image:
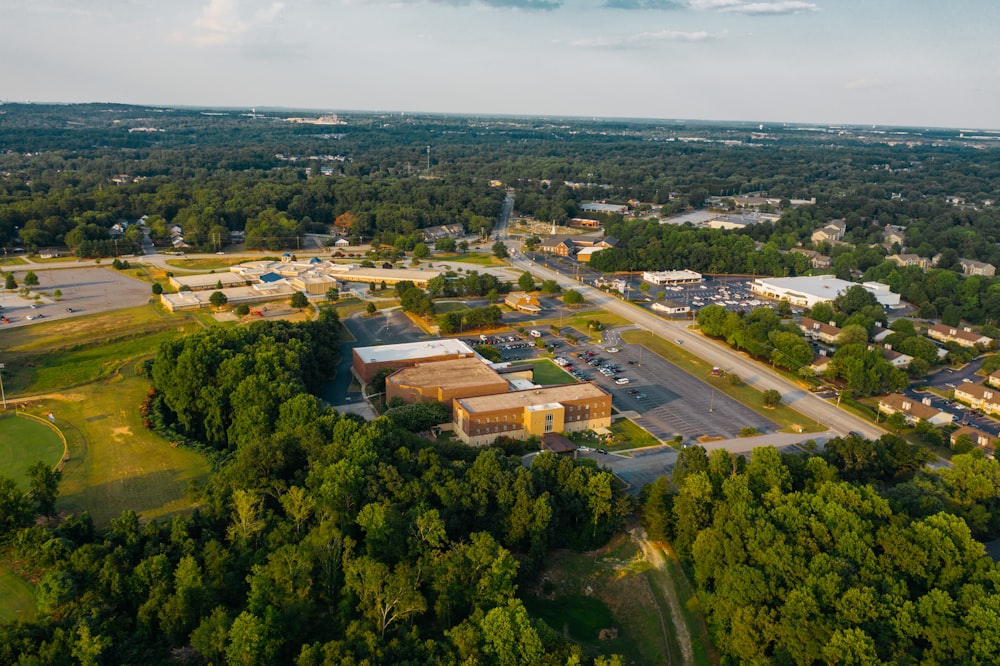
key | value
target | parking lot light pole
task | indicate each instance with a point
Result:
(2, 394)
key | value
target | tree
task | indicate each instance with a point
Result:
(421, 251)
(299, 300)
(30, 279)
(852, 334)
(444, 245)
(500, 250)
(157, 288)
(371, 309)
(10, 282)
(771, 398)
(242, 310)
(57, 293)
(510, 638)
(218, 299)
(526, 282)
(572, 297)
(333, 294)
(550, 287)
(44, 485)
(384, 596)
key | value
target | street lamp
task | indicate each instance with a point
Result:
(2, 394)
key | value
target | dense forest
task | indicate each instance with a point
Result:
(859, 555)
(320, 538)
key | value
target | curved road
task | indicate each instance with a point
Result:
(759, 376)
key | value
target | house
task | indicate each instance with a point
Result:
(973, 267)
(671, 307)
(909, 260)
(994, 379)
(879, 334)
(912, 410)
(817, 330)
(979, 396)
(831, 232)
(895, 358)
(523, 302)
(49, 253)
(963, 336)
(983, 440)
(820, 363)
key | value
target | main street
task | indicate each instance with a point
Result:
(759, 376)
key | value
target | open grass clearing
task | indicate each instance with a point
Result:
(786, 417)
(578, 616)
(55, 355)
(613, 576)
(202, 263)
(115, 463)
(478, 258)
(24, 442)
(547, 373)
(17, 598)
(12, 261)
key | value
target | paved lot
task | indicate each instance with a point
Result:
(674, 402)
(85, 290)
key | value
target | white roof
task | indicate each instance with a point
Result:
(413, 350)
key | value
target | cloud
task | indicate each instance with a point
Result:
(755, 8)
(543, 5)
(644, 4)
(862, 84)
(220, 21)
(640, 40)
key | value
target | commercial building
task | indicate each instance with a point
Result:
(808, 291)
(522, 414)
(523, 302)
(369, 360)
(661, 278)
(671, 307)
(444, 381)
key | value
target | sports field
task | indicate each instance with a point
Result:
(23, 442)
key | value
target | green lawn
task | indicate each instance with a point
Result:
(548, 373)
(633, 436)
(23, 442)
(786, 417)
(12, 261)
(17, 600)
(114, 462)
(477, 258)
(203, 264)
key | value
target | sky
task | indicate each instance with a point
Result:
(887, 62)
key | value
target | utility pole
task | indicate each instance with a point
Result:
(2, 394)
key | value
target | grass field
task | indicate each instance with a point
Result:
(12, 261)
(114, 462)
(82, 370)
(548, 373)
(577, 616)
(17, 600)
(203, 264)
(784, 416)
(24, 442)
(477, 258)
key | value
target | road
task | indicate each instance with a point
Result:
(753, 373)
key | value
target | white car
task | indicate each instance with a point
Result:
(621, 380)
(612, 350)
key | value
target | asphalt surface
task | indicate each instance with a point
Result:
(754, 374)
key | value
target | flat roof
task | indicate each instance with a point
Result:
(413, 350)
(209, 279)
(824, 286)
(533, 397)
(366, 274)
(453, 373)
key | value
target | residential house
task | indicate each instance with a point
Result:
(963, 336)
(817, 330)
(820, 363)
(895, 358)
(432, 234)
(994, 379)
(972, 267)
(832, 232)
(979, 396)
(979, 438)
(879, 334)
(912, 410)
(909, 260)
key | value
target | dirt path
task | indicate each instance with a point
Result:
(661, 579)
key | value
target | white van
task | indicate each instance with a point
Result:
(536, 334)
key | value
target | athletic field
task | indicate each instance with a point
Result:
(23, 442)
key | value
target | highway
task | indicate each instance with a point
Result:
(759, 376)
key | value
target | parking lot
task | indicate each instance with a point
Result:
(668, 400)
(84, 291)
